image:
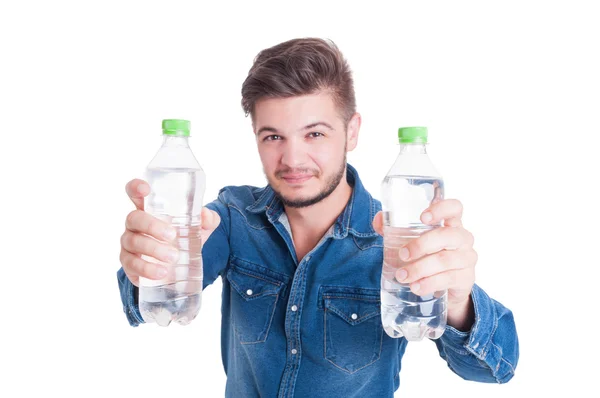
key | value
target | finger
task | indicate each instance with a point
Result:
(136, 190)
(436, 263)
(137, 243)
(378, 223)
(210, 219)
(145, 223)
(445, 238)
(134, 266)
(448, 210)
(460, 279)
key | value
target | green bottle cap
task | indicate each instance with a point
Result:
(412, 135)
(176, 127)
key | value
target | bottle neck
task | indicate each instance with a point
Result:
(413, 149)
(175, 141)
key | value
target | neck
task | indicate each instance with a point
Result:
(413, 149)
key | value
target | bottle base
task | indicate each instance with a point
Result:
(415, 331)
(182, 310)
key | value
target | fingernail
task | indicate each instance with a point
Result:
(404, 254)
(142, 189)
(415, 287)
(426, 217)
(169, 233)
(161, 272)
(401, 274)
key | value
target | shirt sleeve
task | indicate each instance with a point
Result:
(215, 257)
(489, 352)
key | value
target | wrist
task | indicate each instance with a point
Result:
(461, 315)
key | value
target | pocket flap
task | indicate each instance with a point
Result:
(354, 305)
(251, 285)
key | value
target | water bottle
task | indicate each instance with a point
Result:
(410, 187)
(177, 184)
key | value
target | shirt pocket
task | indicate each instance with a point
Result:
(253, 301)
(353, 333)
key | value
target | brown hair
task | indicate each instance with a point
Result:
(300, 67)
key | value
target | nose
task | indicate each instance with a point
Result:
(294, 153)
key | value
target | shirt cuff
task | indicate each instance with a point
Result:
(479, 340)
(129, 295)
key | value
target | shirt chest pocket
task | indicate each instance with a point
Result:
(253, 301)
(353, 333)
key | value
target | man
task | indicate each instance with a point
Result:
(301, 258)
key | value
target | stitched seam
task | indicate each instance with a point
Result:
(346, 370)
(353, 298)
(254, 296)
(264, 272)
(350, 320)
(246, 219)
(365, 247)
(270, 322)
(362, 234)
(253, 207)
(258, 277)
(512, 369)
(492, 332)
(294, 373)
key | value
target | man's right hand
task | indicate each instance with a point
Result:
(147, 235)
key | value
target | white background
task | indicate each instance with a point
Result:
(509, 91)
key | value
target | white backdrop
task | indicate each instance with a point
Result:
(509, 91)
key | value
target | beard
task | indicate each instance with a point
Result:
(330, 185)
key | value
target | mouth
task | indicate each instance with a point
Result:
(296, 178)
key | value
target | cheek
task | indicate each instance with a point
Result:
(326, 156)
(268, 158)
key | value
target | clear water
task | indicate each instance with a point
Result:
(404, 313)
(175, 197)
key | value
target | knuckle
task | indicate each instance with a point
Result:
(138, 265)
(459, 205)
(474, 256)
(127, 240)
(418, 244)
(155, 226)
(443, 256)
(131, 217)
(470, 237)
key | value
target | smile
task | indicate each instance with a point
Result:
(296, 178)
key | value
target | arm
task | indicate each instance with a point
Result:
(489, 352)
(480, 340)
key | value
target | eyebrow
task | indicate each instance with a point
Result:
(308, 127)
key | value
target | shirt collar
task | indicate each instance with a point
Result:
(356, 218)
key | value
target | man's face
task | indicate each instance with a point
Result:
(302, 145)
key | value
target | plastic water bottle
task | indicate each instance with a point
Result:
(410, 187)
(177, 184)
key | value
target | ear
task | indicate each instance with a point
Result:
(352, 132)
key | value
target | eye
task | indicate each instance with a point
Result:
(315, 134)
(272, 137)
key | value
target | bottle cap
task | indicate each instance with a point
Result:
(177, 127)
(412, 135)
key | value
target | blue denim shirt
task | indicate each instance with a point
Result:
(312, 328)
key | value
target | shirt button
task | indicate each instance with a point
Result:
(249, 292)
(294, 351)
(354, 316)
(294, 308)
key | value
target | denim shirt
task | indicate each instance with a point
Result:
(312, 328)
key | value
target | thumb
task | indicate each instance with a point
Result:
(378, 223)
(210, 221)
